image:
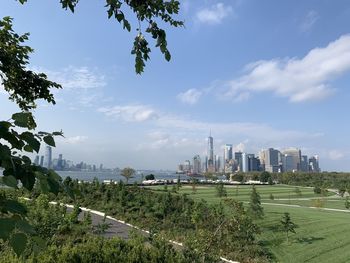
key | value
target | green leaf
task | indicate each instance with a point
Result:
(31, 140)
(6, 227)
(15, 207)
(28, 180)
(25, 227)
(9, 180)
(48, 139)
(18, 242)
(24, 120)
(27, 148)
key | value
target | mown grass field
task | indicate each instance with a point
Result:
(322, 236)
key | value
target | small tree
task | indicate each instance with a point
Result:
(150, 177)
(317, 190)
(220, 190)
(288, 225)
(264, 177)
(272, 197)
(347, 203)
(255, 208)
(127, 173)
(178, 183)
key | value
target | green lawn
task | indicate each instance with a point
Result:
(322, 236)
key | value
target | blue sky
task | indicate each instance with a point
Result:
(257, 73)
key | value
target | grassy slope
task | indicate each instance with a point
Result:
(322, 236)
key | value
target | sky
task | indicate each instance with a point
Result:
(258, 74)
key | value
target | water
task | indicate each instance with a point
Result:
(89, 176)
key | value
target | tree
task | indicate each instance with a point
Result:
(128, 173)
(255, 209)
(287, 225)
(150, 177)
(264, 177)
(25, 87)
(272, 197)
(347, 203)
(220, 190)
(317, 190)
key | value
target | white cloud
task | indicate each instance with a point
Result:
(309, 21)
(213, 15)
(190, 96)
(73, 140)
(336, 155)
(75, 77)
(304, 79)
(131, 113)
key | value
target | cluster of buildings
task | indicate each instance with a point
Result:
(60, 164)
(270, 160)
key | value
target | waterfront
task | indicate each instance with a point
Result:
(138, 177)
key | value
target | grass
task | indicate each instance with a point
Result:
(322, 236)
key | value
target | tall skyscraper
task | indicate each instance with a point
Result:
(270, 160)
(314, 164)
(60, 162)
(196, 167)
(253, 163)
(217, 163)
(245, 164)
(292, 157)
(304, 166)
(42, 161)
(210, 154)
(239, 161)
(48, 157)
(227, 152)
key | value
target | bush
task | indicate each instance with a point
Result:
(150, 177)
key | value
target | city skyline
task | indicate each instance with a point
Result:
(270, 160)
(258, 74)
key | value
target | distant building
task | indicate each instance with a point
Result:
(197, 166)
(304, 165)
(228, 152)
(48, 157)
(253, 163)
(270, 160)
(314, 165)
(245, 163)
(210, 154)
(239, 161)
(42, 161)
(187, 166)
(292, 158)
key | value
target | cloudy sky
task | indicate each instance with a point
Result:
(256, 73)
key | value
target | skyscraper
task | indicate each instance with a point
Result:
(245, 164)
(217, 163)
(304, 166)
(48, 157)
(227, 152)
(196, 167)
(42, 161)
(293, 158)
(210, 154)
(270, 160)
(314, 164)
(239, 161)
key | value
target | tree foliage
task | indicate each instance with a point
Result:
(255, 208)
(287, 225)
(127, 173)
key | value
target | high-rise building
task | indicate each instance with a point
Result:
(245, 163)
(292, 157)
(210, 154)
(196, 167)
(239, 161)
(270, 160)
(253, 163)
(187, 166)
(304, 165)
(60, 162)
(48, 157)
(217, 163)
(314, 164)
(42, 161)
(227, 152)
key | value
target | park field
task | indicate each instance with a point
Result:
(321, 236)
